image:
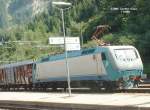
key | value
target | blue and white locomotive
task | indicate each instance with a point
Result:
(106, 66)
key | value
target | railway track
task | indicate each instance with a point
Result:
(144, 87)
(25, 107)
(137, 90)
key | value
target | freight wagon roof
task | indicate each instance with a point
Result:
(17, 64)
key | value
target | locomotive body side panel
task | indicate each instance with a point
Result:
(87, 67)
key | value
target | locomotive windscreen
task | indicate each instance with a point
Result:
(126, 54)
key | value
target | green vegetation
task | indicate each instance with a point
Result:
(126, 28)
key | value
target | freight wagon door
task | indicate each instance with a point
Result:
(10, 75)
(1, 77)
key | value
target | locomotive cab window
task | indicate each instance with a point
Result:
(126, 54)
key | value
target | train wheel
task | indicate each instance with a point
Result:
(110, 86)
(128, 84)
(54, 86)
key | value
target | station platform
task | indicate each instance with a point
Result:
(62, 101)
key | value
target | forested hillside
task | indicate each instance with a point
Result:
(129, 21)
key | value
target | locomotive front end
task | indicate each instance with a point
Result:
(127, 63)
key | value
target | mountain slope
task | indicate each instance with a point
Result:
(128, 27)
(19, 11)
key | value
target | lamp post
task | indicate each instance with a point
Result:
(62, 6)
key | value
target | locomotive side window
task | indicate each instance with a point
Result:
(103, 56)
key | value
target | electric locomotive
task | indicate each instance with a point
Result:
(105, 66)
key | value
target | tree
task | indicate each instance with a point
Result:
(3, 14)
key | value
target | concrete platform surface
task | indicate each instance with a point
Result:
(103, 99)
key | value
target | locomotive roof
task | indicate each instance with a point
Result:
(82, 52)
(17, 64)
(118, 46)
